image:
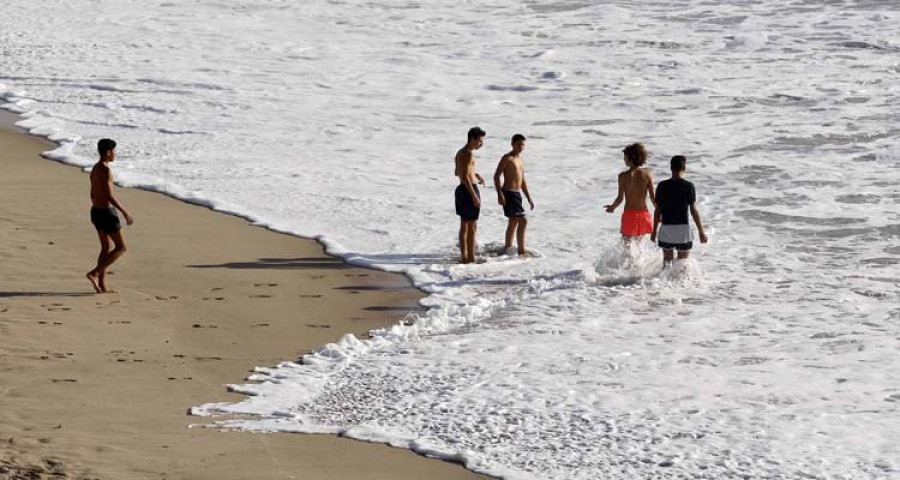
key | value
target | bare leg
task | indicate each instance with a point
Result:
(510, 232)
(94, 275)
(668, 255)
(119, 250)
(683, 254)
(470, 241)
(629, 241)
(462, 241)
(520, 234)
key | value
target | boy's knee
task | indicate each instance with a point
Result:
(523, 221)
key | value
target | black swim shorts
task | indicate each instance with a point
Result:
(681, 247)
(512, 206)
(465, 207)
(105, 220)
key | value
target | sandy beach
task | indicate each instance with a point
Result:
(98, 386)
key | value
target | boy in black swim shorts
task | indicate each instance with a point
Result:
(467, 196)
(512, 169)
(104, 217)
(675, 197)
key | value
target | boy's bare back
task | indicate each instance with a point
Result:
(637, 184)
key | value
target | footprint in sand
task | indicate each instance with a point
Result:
(56, 307)
(207, 359)
(213, 298)
(164, 298)
(260, 296)
(259, 325)
(124, 356)
(64, 380)
(198, 325)
(308, 295)
(119, 322)
(58, 356)
(317, 325)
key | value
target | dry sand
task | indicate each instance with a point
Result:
(98, 386)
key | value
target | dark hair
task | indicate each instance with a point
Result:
(476, 132)
(105, 145)
(636, 154)
(518, 138)
(679, 163)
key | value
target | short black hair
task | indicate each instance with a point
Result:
(476, 132)
(105, 145)
(678, 163)
(518, 138)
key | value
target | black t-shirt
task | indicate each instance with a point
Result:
(673, 197)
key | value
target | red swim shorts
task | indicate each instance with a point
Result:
(636, 222)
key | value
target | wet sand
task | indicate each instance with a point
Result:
(98, 386)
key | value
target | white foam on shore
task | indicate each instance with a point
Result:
(771, 354)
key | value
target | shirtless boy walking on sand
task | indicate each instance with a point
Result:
(675, 197)
(104, 217)
(512, 169)
(468, 198)
(635, 185)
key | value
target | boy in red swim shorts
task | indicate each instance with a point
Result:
(635, 185)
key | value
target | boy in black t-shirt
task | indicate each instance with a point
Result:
(674, 197)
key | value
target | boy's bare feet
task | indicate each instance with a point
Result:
(92, 277)
(102, 283)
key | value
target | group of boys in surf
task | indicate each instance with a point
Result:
(673, 200)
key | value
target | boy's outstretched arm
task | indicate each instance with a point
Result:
(619, 196)
(696, 216)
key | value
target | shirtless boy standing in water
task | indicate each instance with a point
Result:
(104, 217)
(512, 169)
(635, 185)
(468, 198)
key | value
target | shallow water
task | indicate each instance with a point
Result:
(772, 354)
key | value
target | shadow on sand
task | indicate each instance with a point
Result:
(305, 263)
(45, 294)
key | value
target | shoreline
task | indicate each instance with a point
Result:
(98, 386)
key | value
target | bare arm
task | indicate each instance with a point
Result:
(525, 190)
(650, 189)
(621, 195)
(468, 161)
(657, 219)
(497, 174)
(112, 198)
(696, 216)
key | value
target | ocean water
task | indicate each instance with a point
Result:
(773, 353)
